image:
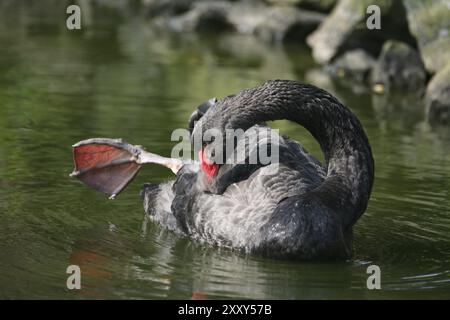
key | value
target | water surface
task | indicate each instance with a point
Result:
(125, 79)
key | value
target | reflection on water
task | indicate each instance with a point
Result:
(131, 81)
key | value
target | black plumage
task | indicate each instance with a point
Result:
(296, 208)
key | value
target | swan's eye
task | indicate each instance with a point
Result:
(211, 154)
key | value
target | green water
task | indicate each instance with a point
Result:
(126, 79)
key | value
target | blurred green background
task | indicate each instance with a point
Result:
(122, 76)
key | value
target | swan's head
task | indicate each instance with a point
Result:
(226, 140)
(208, 136)
(204, 143)
(217, 126)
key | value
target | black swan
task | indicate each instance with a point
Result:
(296, 208)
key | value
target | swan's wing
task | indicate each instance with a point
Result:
(236, 217)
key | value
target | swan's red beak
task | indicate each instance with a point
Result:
(210, 168)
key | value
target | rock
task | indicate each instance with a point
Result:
(429, 22)
(399, 68)
(313, 5)
(355, 64)
(246, 18)
(437, 97)
(279, 24)
(274, 24)
(345, 29)
(202, 17)
(156, 8)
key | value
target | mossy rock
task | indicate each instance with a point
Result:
(283, 24)
(345, 29)
(438, 97)
(206, 17)
(429, 22)
(272, 24)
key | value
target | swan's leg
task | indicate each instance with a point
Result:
(171, 163)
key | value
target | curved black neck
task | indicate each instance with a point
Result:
(349, 162)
